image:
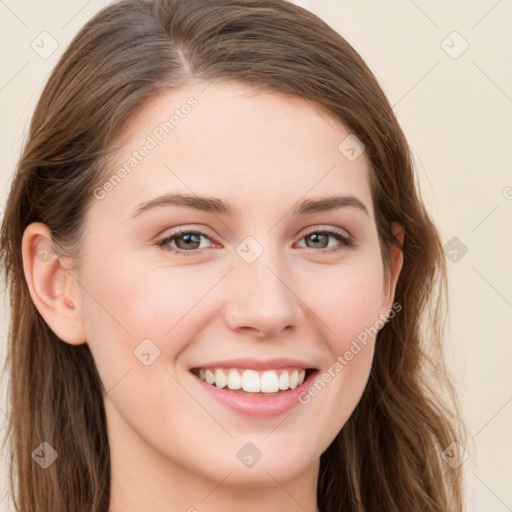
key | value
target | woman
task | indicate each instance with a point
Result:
(226, 292)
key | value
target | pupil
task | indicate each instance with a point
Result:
(187, 239)
(314, 237)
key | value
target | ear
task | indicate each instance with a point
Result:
(53, 289)
(396, 261)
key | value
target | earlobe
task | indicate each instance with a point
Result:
(53, 291)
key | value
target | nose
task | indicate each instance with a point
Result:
(261, 297)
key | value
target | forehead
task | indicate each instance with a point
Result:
(245, 144)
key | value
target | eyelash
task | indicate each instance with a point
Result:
(346, 241)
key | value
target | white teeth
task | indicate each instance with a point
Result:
(209, 377)
(234, 380)
(284, 378)
(220, 379)
(269, 382)
(252, 381)
(294, 378)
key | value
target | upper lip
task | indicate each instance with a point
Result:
(257, 364)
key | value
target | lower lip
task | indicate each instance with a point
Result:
(256, 405)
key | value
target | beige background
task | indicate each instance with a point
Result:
(456, 110)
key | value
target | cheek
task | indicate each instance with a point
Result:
(138, 322)
(141, 301)
(126, 303)
(347, 299)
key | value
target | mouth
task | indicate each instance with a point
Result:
(248, 381)
(255, 388)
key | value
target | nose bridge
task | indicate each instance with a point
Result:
(261, 296)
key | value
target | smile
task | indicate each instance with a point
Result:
(255, 389)
(253, 381)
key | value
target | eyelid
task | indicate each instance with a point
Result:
(199, 229)
(200, 232)
(323, 227)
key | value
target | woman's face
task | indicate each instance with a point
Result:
(252, 283)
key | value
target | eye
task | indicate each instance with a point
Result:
(188, 242)
(320, 237)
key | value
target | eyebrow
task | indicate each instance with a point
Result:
(218, 206)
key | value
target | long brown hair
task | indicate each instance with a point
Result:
(387, 456)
